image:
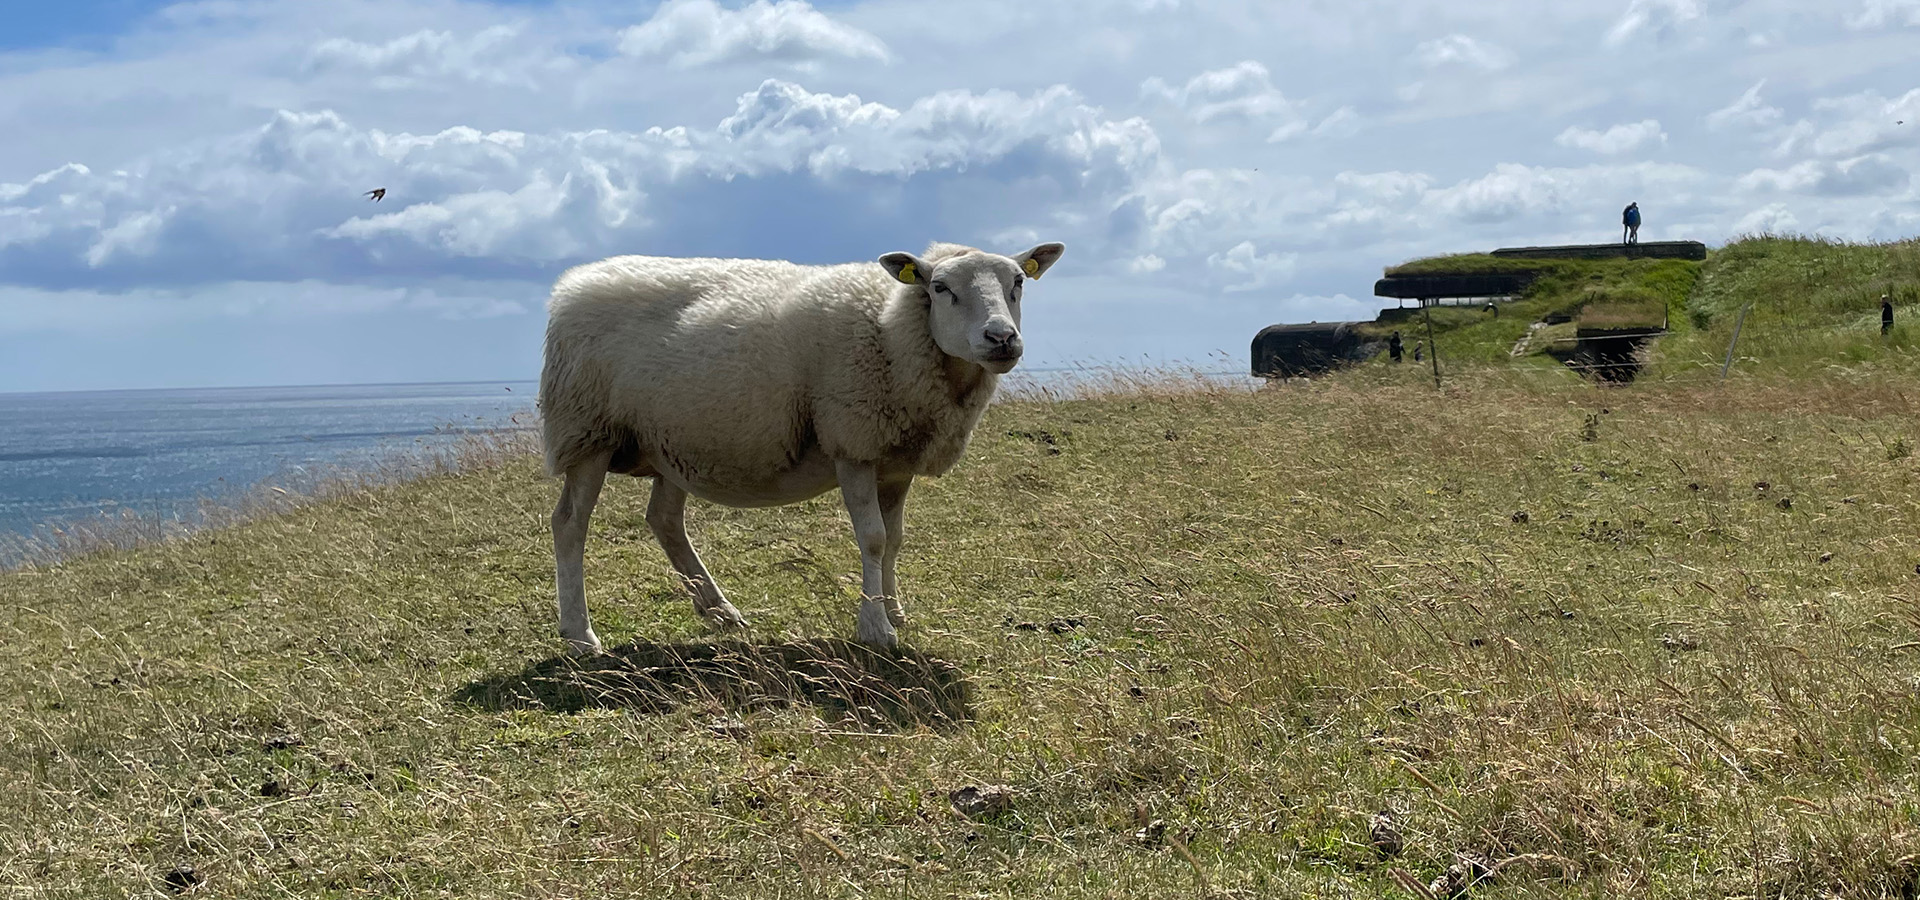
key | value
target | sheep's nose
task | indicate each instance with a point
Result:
(1001, 333)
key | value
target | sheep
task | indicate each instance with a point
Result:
(763, 383)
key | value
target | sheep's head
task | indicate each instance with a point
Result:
(973, 299)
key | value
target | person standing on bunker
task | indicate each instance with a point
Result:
(1394, 346)
(1630, 224)
(1886, 313)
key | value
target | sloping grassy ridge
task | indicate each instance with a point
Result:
(1814, 303)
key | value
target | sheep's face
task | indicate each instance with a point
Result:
(973, 300)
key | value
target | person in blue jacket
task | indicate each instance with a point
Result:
(1630, 224)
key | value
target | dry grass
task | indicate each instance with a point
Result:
(1649, 641)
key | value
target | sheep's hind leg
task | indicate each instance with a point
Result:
(570, 517)
(893, 509)
(667, 516)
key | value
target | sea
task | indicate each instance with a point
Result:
(168, 455)
(67, 458)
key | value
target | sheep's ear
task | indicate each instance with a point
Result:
(906, 268)
(1037, 261)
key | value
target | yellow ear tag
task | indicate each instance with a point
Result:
(1033, 268)
(907, 275)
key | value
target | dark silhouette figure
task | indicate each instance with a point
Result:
(1886, 313)
(1493, 309)
(1394, 347)
(377, 194)
(1630, 224)
(1419, 347)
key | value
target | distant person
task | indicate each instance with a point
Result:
(1394, 346)
(1886, 313)
(1630, 224)
(1418, 347)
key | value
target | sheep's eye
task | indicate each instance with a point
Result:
(939, 288)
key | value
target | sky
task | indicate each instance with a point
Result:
(181, 184)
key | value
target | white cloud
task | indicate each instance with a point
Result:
(1884, 13)
(1244, 93)
(701, 32)
(1872, 174)
(1458, 49)
(1868, 121)
(1341, 123)
(1617, 139)
(1510, 190)
(1656, 18)
(286, 196)
(230, 144)
(1774, 218)
(1253, 269)
(1747, 111)
(1241, 91)
(424, 56)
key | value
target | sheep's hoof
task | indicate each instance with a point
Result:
(723, 616)
(588, 646)
(875, 628)
(896, 614)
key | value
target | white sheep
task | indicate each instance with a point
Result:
(761, 383)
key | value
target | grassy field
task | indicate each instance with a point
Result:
(1651, 641)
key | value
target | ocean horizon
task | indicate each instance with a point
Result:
(69, 457)
(164, 454)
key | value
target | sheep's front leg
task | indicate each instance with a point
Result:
(893, 509)
(667, 516)
(860, 488)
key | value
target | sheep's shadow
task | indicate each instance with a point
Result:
(884, 689)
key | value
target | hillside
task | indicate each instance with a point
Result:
(1814, 303)
(1612, 293)
(1644, 641)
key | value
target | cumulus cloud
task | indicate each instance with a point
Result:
(702, 32)
(1249, 269)
(1510, 190)
(1514, 192)
(516, 139)
(285, 197)
(1242, 91)
(1746, 111)
(1459, 49)
(1867, 122)
(1871, 174)
(1652, 18)
(1617, 139)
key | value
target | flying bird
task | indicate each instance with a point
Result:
(376, 194)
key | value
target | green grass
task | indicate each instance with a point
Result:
(1611, 293)
(1650, 641)
(1815, 303)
